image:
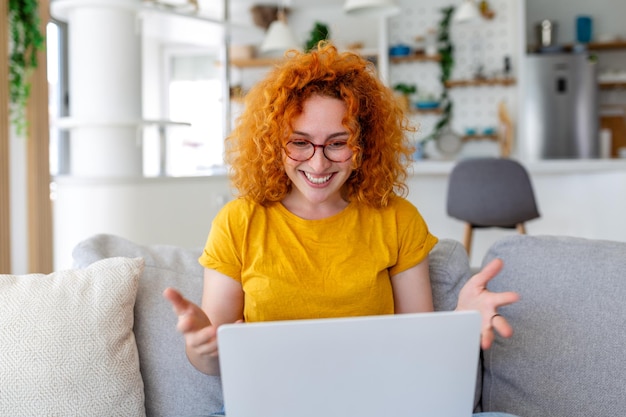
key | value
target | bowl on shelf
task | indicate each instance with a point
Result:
(427, 105)
(399, 50)
(489, 131)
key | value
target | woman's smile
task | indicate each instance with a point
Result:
(317, 179)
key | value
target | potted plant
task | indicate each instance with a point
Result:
(26, 41)
(320, 32)
(446, 52)
(404, 91)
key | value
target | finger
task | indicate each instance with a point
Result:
(500, 299)
(203, 341)
(487, 273)
(486, 338)
(502, 326)
(179, 303)
(194, 321)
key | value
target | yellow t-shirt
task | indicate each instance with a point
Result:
(292, 268)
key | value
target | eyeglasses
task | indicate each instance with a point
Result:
(302, 150)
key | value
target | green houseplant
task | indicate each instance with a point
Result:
(25, 40)
(446, 52)
(320, 32)
(405, 90)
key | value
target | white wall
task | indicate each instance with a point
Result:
(176, 211)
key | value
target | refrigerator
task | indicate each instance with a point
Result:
(560, 118)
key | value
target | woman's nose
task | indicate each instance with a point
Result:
(319, 161)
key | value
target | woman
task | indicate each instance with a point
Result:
(321, 228)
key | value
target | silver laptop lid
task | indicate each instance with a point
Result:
(408, 365)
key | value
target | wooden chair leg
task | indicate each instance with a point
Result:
(521, 229)
(467, 239)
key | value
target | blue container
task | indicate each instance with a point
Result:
(584, 29)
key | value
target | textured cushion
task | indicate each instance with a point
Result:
(67, 345)
(173, 387)
(567, 356)
(449, 270)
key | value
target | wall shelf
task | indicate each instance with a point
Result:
(616, 45)
(468, 138)
(436, 111)
(480, 82)
(269, 61)
(607, 46)
(612, 85)
(415, 57)
(255, 62)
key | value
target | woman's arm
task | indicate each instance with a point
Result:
(222, 298)
(412, 292)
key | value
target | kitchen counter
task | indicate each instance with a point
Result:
(557, 166)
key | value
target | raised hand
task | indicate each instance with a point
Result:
(199, 333)
(475, 296)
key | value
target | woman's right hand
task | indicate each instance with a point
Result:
(200, 335)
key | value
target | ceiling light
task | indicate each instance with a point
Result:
(279, 37)
(466, 12)
(371, 7)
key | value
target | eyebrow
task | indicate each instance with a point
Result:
(331, 136)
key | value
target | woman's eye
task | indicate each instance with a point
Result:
(337, 145)
(300, 143)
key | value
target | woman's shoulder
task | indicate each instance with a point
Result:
(239, 208)
(398, 208)
(401, 205)
(243, 209)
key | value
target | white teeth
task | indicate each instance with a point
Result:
(317, 180)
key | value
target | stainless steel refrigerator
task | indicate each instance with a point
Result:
(560, 106)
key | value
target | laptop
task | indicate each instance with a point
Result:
(409, 365)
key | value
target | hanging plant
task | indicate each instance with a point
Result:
(446, 52)
(26, 39)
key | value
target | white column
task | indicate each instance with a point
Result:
(105, 86)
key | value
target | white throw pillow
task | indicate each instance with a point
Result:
(67, 346)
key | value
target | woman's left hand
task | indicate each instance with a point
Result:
(475, 296)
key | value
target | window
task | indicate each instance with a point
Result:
(195, 95)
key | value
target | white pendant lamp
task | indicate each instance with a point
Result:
(279, 38)
(371, 7)
(467, 11)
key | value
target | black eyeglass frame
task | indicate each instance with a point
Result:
(315, 149)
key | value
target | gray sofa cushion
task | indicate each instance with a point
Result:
(172, 386)
(567, 356)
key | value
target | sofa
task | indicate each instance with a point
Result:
(100, 340)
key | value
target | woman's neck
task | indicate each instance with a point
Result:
(313, 211)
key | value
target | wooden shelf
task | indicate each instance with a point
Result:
(591, 46)
(606, 46)
(421, 57)
(612, 85)
(255, 62)
(468, 138)
(438, 110)
(480, 82)
(269, 61)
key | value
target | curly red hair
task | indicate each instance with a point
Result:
(376, 124)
